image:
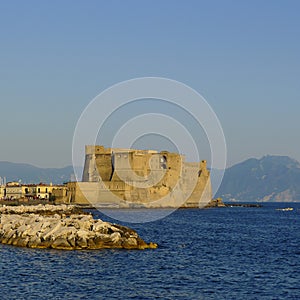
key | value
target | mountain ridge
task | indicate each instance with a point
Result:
(28, 173)
(270, 178)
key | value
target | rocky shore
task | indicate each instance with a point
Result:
(219, 203)
(63, 227)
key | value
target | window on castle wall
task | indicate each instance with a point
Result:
(163, 162)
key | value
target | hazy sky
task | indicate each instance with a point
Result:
(56, 56)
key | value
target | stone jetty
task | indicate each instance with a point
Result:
(63, 227)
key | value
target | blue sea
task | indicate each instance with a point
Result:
(223, 253)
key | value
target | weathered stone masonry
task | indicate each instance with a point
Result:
(128, 177)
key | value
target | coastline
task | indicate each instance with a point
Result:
(215, 203)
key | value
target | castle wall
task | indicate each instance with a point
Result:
(139, 176)
(97, 193)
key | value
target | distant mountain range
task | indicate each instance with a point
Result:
(269, 179)
(30, 174)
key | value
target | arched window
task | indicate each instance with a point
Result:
(163, 162)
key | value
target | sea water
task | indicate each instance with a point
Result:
(223, 253)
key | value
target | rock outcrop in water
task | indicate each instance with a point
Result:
(58, 227)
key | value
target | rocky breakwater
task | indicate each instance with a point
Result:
(58, 227)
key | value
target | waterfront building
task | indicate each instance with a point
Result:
(2, 191)
(129, 178)
(44, 191)
(16, 190)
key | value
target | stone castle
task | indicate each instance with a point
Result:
(114, 177)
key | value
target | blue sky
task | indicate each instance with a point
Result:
(56, 56)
